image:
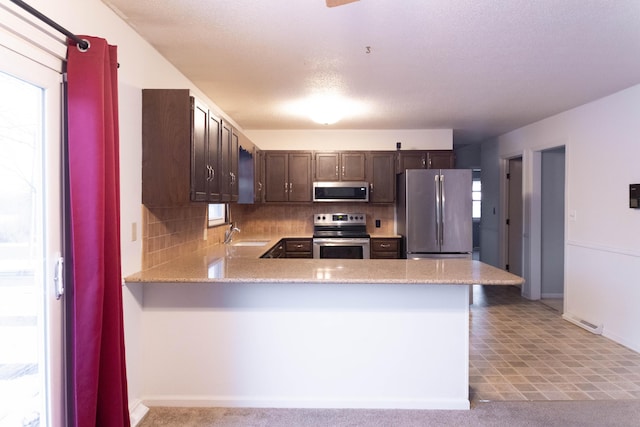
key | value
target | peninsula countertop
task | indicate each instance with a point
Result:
(242, 264)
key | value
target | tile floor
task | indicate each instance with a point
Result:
(523, 350)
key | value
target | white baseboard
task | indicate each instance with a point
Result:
(596, 329)
(137, 412)
(551, 296)
(230, 402)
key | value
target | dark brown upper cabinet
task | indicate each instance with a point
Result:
(432, 159)
(228, 163)
(340, 166)
(381, 176)
(287, 176)
(184, 158)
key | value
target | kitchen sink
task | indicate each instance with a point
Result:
(250, 243)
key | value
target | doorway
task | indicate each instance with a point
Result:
(514, 222)
(552, 228)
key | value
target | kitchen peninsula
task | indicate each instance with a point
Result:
(226, 328)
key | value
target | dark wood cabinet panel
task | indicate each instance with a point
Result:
(385, 248)
(258, 175)
(290, 248)
(432, 159)
(352, 166)
(213, 162)
(381, 176)
(183, 159)
(199, 151)
(340, 166)
(276, 177)
(287, 176)
(299, 177)
(277, 251)
(173, 148)
(298, 248)
(444, 159)
(326, 166)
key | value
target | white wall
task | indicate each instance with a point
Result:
(416, 139)
(602, 245)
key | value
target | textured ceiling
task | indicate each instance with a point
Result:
(481, 67)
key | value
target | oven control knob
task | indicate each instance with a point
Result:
(351, 218)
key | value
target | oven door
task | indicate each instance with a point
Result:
(341, 248)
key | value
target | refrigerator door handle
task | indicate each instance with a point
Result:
(436, 179)
(443, 204)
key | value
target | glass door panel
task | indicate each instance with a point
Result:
(31, 388)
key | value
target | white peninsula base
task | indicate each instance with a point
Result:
(306, 345)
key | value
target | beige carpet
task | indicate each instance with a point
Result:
(565, 414)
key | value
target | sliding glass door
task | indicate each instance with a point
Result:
(31, 327)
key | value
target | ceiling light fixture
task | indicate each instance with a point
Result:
(326, 109)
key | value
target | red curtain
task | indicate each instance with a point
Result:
(97, 365)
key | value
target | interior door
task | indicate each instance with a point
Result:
(422, 228)
(514, 219)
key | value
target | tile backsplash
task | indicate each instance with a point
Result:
(264, 220)
(171, 232)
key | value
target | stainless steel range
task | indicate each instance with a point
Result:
(340, 235)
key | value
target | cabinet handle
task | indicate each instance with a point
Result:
(336, 170)
(342, 170)
(290, 187)
(385, 245)
(259, 186)
(424, 163)
(298, 246)
(371, 187)
(213, 173)
(286, 184)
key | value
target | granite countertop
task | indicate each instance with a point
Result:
(242, 264)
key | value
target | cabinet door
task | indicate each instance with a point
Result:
(213, 176)
(199, 157)
(352, 166)
(327, 166)
(258, 178)
(299, 177)
(275, 176)
(225, 163)
(441, 159)
(412, 160)
(234, 148)
(382, 177)
(388, 248)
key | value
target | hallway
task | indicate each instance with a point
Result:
(524, 350)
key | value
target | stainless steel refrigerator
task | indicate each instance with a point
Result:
(434, 213)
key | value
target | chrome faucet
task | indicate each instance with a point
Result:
(228, 235)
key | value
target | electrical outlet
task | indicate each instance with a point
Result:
(377, 223)
(134, 231)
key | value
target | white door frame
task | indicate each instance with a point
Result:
(532, 212)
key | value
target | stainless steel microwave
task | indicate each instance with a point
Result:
(341, 191)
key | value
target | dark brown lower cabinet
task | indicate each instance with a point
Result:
(298, 248)
(388, 248)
